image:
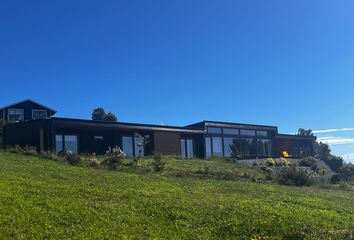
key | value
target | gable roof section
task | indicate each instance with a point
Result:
(29, 100)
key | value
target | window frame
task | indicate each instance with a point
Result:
(43, 110)
(15, 109)
(63, 142)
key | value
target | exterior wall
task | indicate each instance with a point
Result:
(27, 106)
(27, 134)
(167, 143)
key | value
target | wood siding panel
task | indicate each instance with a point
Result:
(167, 143)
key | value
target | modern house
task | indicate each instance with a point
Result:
(203, 140)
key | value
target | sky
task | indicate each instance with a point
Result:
(283, 63)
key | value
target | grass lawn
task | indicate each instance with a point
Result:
(44, 199)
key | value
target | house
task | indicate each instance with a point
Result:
(205, 139)
(25, 110)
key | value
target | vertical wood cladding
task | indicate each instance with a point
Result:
(167, 143)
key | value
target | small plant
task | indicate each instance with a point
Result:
(30, 151)
(295, 177)
(308, 162)
(113, 158)
(344, 186)
(93, 161)
(336, 178)
(70, 157)
(269, 162)
(157, 164)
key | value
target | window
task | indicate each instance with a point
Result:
(58, 143)
(262, 133)
(98, 138)
(208, 147)
(231, 147)
(264, 147)
(127, 145)
(214, 130)
(15, 115)
(231, 131)
(39, 114)
(249, 147)
(187, 148)
(70, 143)
(66, 142)
(248, 132)
(139, 146)
(217, 146)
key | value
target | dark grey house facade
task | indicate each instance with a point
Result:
(202, 140)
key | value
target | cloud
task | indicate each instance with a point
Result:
(336, 140)
(333, 130)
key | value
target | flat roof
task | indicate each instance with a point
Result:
(126, 125)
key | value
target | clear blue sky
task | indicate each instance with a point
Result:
(284, 63)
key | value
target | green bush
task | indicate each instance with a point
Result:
(346, 172)
(336, 178)
(113, 158)
(70, 157)
(295, 177)
(157, 164)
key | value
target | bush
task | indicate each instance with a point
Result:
(157, 164)
(336, 178)
(113, 158)
(70, 157)
(346, 172)
(308, 162)
(269, 162)
(295, 177)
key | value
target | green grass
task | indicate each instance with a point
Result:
(44, 199)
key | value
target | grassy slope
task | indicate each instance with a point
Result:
(46, 199)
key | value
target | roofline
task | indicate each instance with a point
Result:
(233, 124)
(129, 125)
(30, 100)
(296, 136)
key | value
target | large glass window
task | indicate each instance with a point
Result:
(183, 148)
(58, 143)
(39, 114)
(66, 142)
(217, 146)
(264, 147)
(15, 115)
(248, 132)
(70, 143)
(262, 133)
(127, 145)
(208, 147)
(214, 130)
(248, 147)
(231, 131)
(187, 148)
(231, 147)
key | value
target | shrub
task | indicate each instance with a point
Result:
(336, 178)
(282, 162)
(346, 172)
(269, 162)
(295, 177)
(113, 158)
(157, 164)
(70, 157)
(308, 162)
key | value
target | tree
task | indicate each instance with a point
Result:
(323, 151)
(304, 132)
(110, 117)
(98, 114)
